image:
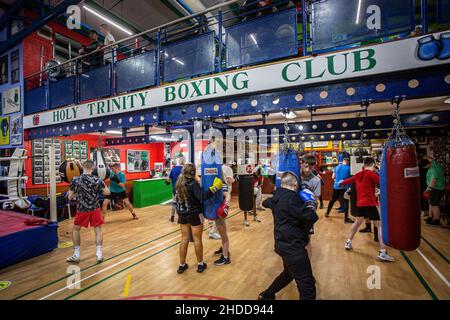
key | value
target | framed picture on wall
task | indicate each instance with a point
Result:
(5, 132)
(15, 67)
(111, 156)
(138, 161)
(4, 69)
(16, 130)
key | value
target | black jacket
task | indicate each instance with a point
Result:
(196, 196)
(292, 221)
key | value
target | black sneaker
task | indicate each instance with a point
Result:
(262, 296)
(327, 215)
(321, 206)
(201, 267)
(182, 269)
(172, 218)
(366, 230)
(428, 220)
(218, 251)
(433, 222)
(348, 220)
(222, 260)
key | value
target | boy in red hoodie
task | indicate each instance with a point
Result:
(366, 202)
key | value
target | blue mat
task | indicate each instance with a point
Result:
(19, 242)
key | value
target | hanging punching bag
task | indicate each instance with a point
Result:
(287, 161)
(211, 169)
(101, 169)
(70, 169)
(400, 195)
(246, 192)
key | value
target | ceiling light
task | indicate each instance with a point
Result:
(108, 20)
(254, 39)
(358, 12)
(447, 101)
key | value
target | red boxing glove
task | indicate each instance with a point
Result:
(426, 195)
(222, 211)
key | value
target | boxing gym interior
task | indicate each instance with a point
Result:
(287, 117)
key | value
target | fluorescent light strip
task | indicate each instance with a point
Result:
(359, 11)
(114, 132)
(254, 39)
(108, 20)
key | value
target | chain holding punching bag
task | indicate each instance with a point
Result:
(287, 159)
(400, 190)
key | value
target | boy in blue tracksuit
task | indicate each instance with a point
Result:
(341, 172)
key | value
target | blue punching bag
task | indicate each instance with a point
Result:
(211, 169)
(287, 161)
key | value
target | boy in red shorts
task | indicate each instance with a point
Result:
(366, 203)
(86, 188)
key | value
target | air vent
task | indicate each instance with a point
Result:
(46, 33)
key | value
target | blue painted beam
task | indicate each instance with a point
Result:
(41, 21)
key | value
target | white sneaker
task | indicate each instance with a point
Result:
(385, 257)
(257, 219)
(214, 235)
(246, 223)
(348, 245)
(73, 258)
(99, 258)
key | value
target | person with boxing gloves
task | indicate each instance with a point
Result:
(118, 191)
(189, 199)
(222, 212)
(366, 182)
(294, 216)
(172, 178)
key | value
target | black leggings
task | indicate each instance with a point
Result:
(338, 194)
(296, 268)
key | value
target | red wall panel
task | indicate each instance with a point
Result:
(156, 155)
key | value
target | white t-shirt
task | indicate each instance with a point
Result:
(227, 173)
(109, 39)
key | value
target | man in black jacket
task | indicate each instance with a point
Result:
(293, 219)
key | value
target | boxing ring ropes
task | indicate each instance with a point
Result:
(16, 191)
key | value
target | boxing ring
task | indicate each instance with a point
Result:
(22, 237)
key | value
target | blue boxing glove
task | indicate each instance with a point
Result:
(307, 196)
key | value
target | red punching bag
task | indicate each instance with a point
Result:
(400, 196)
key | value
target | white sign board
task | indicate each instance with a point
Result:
(361, 62)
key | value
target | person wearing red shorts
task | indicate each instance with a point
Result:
(85, 189)
(366, 182)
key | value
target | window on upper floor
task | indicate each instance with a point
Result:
(15, 67)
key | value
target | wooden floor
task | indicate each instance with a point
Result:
(142, 258)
